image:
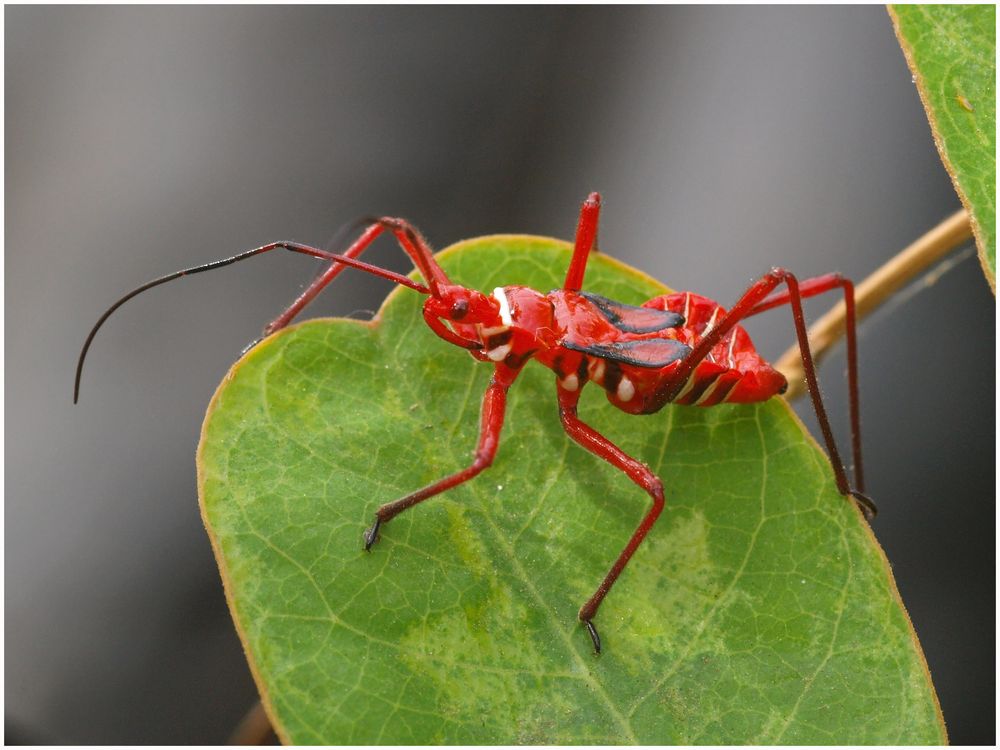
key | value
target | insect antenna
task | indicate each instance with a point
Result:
(339, 237)
(290, 246)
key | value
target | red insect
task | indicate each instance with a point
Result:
(677, 348)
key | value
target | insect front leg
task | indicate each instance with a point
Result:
(637, 471)
(409, 239)
(491, 422)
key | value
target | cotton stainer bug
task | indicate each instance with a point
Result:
(678, 348)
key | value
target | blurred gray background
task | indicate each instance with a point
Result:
(142, 140)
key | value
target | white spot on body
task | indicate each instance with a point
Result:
(711, 322)
(595, 368)
(500, 296)
(732, 345)
(708, 329)
(571, 382)
(625, 389)
(483, 331)
(499, 353)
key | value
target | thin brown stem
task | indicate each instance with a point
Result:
(874, 291)
(254, 728)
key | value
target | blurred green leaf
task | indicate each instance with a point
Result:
(951, 50)
(759, 610)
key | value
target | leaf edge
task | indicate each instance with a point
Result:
(918, 80)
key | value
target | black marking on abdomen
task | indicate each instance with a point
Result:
(724, 389)
(612, 375)
(701, 386)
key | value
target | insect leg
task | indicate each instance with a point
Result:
(409, 239)
(810, 288)
(586, 238)
(491, 422)
(758, 296)
(638, 472)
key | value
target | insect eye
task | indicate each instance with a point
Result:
(459, 309)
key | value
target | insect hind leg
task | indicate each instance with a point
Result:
(761, 296)
(810, 288)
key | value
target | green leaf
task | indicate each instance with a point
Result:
(951, 50)
(759, 610)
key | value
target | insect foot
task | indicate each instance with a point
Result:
(866, 504)
(593, 635)
(371, 535)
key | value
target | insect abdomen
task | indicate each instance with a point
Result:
(733, 371)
